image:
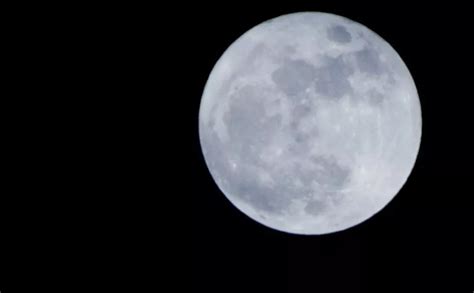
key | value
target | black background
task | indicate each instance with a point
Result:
(84, 173)
(422, 241)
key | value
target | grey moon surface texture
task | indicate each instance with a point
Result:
(310, 123)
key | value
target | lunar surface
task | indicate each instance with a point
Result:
(310, 123)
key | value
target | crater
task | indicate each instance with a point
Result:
(338, 34)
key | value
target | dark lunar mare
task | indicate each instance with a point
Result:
(339, 34)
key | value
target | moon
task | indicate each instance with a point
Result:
(310, 123)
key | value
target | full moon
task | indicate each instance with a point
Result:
(310, 123)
